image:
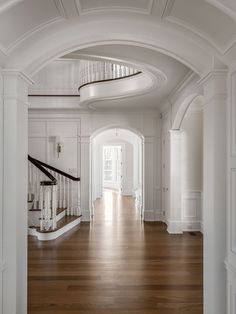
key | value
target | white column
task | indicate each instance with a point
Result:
(174, 213)
(2, 262)
(14, 109)
(149, 179)
(85, 178)
(214, 191)
(231, 195)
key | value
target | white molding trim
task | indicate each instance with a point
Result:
(191, 226)
(174, 226)
(149, 215)
(54, 234)
(147, 11)
(212, 73)
(34, 30)
(15, 72)
(86, 215)
(183, 83)
(230, 267)
(223, 8)
(9, 4)
(222, 49)
(61, 9)
(2, 266)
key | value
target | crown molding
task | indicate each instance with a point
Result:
(82, 11)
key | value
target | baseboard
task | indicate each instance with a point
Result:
(174, 227)
(86, 215)
(191, 226)
(153, 215)
(47, 236)
(148, 215)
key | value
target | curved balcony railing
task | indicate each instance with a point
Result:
(100, 71)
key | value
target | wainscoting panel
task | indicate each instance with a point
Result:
(192, 211)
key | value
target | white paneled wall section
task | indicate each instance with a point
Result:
(75, 131)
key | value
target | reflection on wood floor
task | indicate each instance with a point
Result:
(116, 265)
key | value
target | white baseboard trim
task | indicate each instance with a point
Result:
(191, 226)
(159, 216)
(148, 215)
(152, 215)
(174, 227)
(47, 236)
(86, 215)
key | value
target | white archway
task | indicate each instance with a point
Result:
(136, 140)
(183, 109)
(53, 42)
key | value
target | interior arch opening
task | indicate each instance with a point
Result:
(116, 172)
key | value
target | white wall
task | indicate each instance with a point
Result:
(182, 171)
(1, 191)
(77, 127)
(192, 169)
(42, 143)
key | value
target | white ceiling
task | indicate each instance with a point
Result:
(206, 27)
(213, 20)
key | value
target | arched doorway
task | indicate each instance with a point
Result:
(117, 164)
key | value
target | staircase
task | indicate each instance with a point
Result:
(53, 200)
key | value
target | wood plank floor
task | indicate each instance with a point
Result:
(116, 265)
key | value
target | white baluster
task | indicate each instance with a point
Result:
(42, 208)
(54, 206)
(58, 190)
(72, 198)
(64, 192)
(35, 187)
(78, 209)
(68, 196)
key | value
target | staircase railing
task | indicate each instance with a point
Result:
(51, 189)
(100, 71)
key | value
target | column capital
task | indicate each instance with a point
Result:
(15, 86)
(215, 86)
(214, 75)
(18, 74)
(175, 133)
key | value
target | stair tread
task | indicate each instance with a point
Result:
(61, 223)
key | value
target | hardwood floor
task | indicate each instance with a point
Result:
(116, 265)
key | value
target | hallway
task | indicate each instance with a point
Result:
(116, 265)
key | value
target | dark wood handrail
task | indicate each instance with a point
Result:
(67, 175)
(111, 79)
(41, 168)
